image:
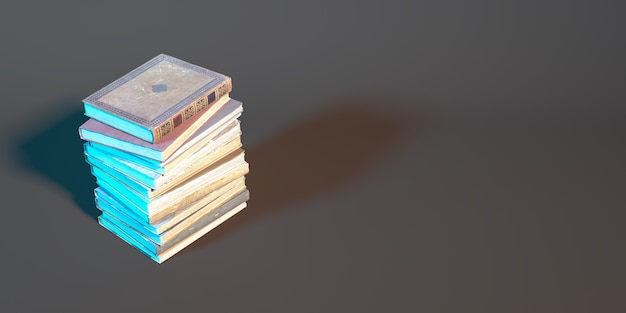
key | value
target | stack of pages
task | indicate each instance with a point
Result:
(163, 142)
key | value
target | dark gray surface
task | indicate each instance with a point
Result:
(417, 156)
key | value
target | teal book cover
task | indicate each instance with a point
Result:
(160, 253)
(181, 138)
(154, 175)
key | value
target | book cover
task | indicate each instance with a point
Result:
(152, 177)
(152, 210)
(151, 184)
(160, 253)
(182, 138)
(168, 182)
(184, 218)
(106, 202)
(217, 137)
(157, 97)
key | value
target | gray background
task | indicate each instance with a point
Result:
(406, 156)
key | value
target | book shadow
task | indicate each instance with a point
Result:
(56, 152)
(315, 156)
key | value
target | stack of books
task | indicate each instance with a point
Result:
(164, 144)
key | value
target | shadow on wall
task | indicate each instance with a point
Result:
(313, 157)
(57, 153)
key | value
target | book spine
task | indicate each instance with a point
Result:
(191, 110)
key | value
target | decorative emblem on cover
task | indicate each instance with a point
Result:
(159, 88)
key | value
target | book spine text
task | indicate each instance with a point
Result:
(192, 109)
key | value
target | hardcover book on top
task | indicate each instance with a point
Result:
(157, 97)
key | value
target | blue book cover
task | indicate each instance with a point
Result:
(120, 162)
(154, 209)
(160, 253)
(181, 140)
(227, 163)
(161, 230)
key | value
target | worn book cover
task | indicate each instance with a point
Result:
(152, 210)
(183, 138)
(168, 228)
(106, 202)
(151, 187)
(160, 253)
(219, 164)
(157, 97)
(122, 163)
(218, 137)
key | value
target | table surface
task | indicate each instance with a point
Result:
(431, 156)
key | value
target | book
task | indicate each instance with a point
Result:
(122, 163)
(217, 137)
(157, 97)
(161, 253)
(169, 228)
(153, 210)
(181, 139)
(215, 198)
(220, 164)
(151, 184)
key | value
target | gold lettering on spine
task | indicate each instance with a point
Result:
(192, 110)
(222, 90)
(189, 112)
(201, 104)
(165, 128)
